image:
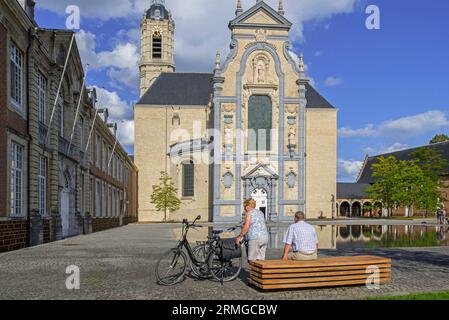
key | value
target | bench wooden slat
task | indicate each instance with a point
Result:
(316, 284)
(316, 274)
(345, 261)
(315, 279)
(317, 269)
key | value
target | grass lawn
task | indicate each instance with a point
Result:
(416, 296)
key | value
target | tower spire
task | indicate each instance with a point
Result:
(239, 8)
(218, 61)
(281, 7)
(302, 67)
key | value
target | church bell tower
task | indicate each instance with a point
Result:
(157, 44)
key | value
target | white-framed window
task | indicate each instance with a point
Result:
(91, 196)
(113, 202)
(42, 98)
(81, 128)
(16, 68)
(115, 167)
(105, 201)
(42, 186)
(98, 151)
(61, 114)
(105, 161)
(17, 167)
(109, 202)
(82, 206)
(98, 200)
(109, 161)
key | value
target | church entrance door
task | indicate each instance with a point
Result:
(261, 198)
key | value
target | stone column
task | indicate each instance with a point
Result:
(36, 228)
(273, 196)
(79, 223)
(56, 230)
(88, 223)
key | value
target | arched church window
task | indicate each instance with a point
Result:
(157, 14)
(157, 45)
(260, 123)
(188, 179)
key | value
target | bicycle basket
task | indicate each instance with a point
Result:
(229, 250)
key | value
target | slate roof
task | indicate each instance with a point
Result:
(352, 190)
(366, 174)
(195, 89)
(316, 100)
(179, 89)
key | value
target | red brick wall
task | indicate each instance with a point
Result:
(101, 224)
(13, 235)
(129, 220)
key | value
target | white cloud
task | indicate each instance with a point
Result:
(348, 170)
(118, 109)
(201, 25)
(120, 112)
(125, 133)
(403, 127)
(333, 82)
(121, 63)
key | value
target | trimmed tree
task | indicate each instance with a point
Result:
(165, 196)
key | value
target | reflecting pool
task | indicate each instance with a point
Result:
(368, 236)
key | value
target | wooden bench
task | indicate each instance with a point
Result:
(325, 272)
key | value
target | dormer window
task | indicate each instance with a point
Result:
(157, 14)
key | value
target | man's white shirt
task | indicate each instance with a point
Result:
(302, 237)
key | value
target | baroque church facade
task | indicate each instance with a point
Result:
(253, 127)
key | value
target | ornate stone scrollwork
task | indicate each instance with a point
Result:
(291, 179)
(228, 179)
(261, 35)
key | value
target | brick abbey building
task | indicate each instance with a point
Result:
(353, 201)
(57, 179)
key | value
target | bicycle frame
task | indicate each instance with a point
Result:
(184, 243)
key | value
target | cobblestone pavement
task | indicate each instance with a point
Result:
(119, 264)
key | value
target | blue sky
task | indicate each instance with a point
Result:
(390, 85)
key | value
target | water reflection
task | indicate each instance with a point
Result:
(368, 236)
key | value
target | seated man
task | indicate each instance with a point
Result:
(302, 238)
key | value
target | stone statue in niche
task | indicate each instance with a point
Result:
(292, 137)
(260, 69)
(261, 72)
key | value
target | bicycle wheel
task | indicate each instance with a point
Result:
(224, 271)
(171, 267)
(200, 253)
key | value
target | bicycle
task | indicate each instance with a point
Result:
(172, 266)
(219, 269)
